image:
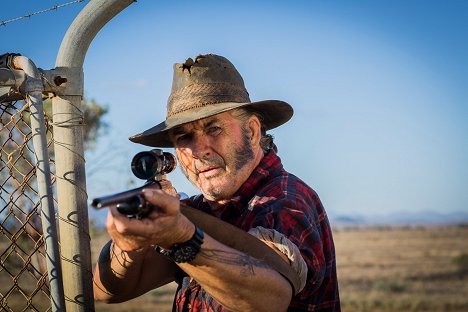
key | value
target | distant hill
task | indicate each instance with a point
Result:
(401, 218)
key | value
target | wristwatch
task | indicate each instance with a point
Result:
(186, 251)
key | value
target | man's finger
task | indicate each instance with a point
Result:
(134, 227)
(109, 222)
(166, 204)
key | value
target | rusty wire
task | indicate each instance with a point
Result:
(23, 275)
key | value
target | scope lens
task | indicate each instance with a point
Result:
(144, 165)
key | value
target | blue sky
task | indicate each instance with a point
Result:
(379, 88)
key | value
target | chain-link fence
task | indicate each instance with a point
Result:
(23, 274)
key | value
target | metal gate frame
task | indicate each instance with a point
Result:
(65, 82)
(70, 169)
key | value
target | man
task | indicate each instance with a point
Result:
(220, 139)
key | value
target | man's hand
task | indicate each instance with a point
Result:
(164, 226)
(167, 187)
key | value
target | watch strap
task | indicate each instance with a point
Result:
(186, 251)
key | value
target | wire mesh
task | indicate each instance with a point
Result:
(23, 275)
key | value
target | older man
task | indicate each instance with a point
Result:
(220, 139)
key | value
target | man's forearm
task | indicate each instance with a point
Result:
(117, 273)
(238, 281)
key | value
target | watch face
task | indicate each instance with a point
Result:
(184, 254)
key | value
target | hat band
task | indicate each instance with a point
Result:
(199, 95)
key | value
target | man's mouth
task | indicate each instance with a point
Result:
(208, 172)
(207, 169)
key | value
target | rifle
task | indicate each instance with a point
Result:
(151, 166)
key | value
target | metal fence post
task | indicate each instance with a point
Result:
(70, 170)
(34, 90)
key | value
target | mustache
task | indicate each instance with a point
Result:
(201, 164)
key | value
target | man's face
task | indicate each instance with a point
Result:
(215, 154)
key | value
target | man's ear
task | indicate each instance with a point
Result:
(255, 130)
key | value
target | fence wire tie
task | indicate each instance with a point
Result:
(66, 146)
(69, 123)
(46, 81)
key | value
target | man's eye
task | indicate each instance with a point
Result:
(214, 130)
(183, 138)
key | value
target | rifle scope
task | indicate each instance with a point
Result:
(149, 164)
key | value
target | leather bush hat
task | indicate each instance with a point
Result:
(205, 87)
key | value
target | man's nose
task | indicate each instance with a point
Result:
(201, 147)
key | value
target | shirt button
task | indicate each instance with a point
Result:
(189, 306)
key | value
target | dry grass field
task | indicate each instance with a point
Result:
(380, 269)
(403, 269)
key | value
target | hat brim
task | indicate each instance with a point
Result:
(274, 112)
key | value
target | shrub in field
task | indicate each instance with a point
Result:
(461, 261)
(390, 285)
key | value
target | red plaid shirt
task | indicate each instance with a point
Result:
(275, 199)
